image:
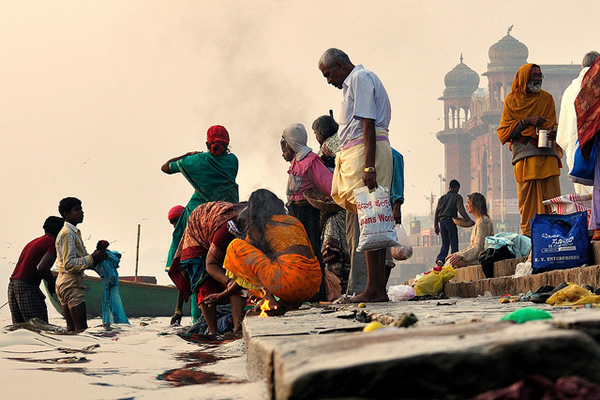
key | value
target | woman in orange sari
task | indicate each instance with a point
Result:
(275, 258)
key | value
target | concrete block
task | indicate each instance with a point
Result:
(403, 363)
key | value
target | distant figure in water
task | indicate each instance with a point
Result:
(72, 259)
(212, 175)
(25, 298)
(275, 257)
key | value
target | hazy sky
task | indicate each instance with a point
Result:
(97, 95)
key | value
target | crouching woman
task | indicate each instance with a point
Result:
(275, 257)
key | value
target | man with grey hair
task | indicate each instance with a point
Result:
(365, 158)
(566, 136)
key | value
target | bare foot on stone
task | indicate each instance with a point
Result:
(366, 297)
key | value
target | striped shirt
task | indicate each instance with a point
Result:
(71, 255)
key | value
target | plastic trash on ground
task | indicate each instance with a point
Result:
(433, 282)
(523, 269)
(573, 295)
(526, 314)
(401, 292)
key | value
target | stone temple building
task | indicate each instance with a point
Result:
(472, 151)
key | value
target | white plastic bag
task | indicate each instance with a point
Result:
(523, 269)
(401, 292)
(405, 250)
(377, 228)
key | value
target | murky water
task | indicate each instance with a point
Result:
(144, 360)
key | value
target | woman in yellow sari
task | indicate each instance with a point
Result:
(275, 258)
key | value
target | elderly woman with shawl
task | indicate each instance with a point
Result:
(212, 175)
(528, 108)
(274, 258)
(197, 263)
(307, 171)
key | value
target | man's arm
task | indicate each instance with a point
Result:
(397, 189)
(461, 208)
(43, 268)
(397, 211)
(369, 178)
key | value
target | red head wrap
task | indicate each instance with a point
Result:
(217, 139)
(217, 133)
(176, 212)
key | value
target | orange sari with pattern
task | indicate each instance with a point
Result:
(291, 277)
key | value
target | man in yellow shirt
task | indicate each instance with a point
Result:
(72, 259)
(527, 109)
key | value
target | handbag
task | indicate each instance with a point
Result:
(375, 218)
(559, 241)
(583, 170)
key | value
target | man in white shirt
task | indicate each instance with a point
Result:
(72, 259)
(566, 136)
(366, 155)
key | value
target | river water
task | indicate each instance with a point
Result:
(148, 359)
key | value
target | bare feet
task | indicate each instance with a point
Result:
(366, 297)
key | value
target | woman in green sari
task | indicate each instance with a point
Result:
(212, 175)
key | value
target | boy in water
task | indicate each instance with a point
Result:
(72, 259)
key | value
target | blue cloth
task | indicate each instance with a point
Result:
(519, 245)
(449, 234)
(196, 269)
(397, 189)
(112, 307)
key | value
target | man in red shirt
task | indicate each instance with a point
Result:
(25, 298)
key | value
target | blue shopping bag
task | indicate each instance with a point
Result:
(583, 170)
(559, 241)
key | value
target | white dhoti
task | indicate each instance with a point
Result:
(350, 167)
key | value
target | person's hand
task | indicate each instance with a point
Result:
(397, 212)
(437, 230)
(214, 299)
(99, 255)
(534, 120)
(102, 245)
(370, 179)
(552, 134)
(453, 259)
(176, 319)
(330, 256)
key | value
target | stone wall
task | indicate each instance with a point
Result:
(471, 281)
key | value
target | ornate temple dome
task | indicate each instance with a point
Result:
(462, 81)
(507, 52)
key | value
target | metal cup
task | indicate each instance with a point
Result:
(543, 141)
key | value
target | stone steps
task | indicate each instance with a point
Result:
(471, 282)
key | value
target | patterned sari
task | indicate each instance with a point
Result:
(197, 242)
(291, 277)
